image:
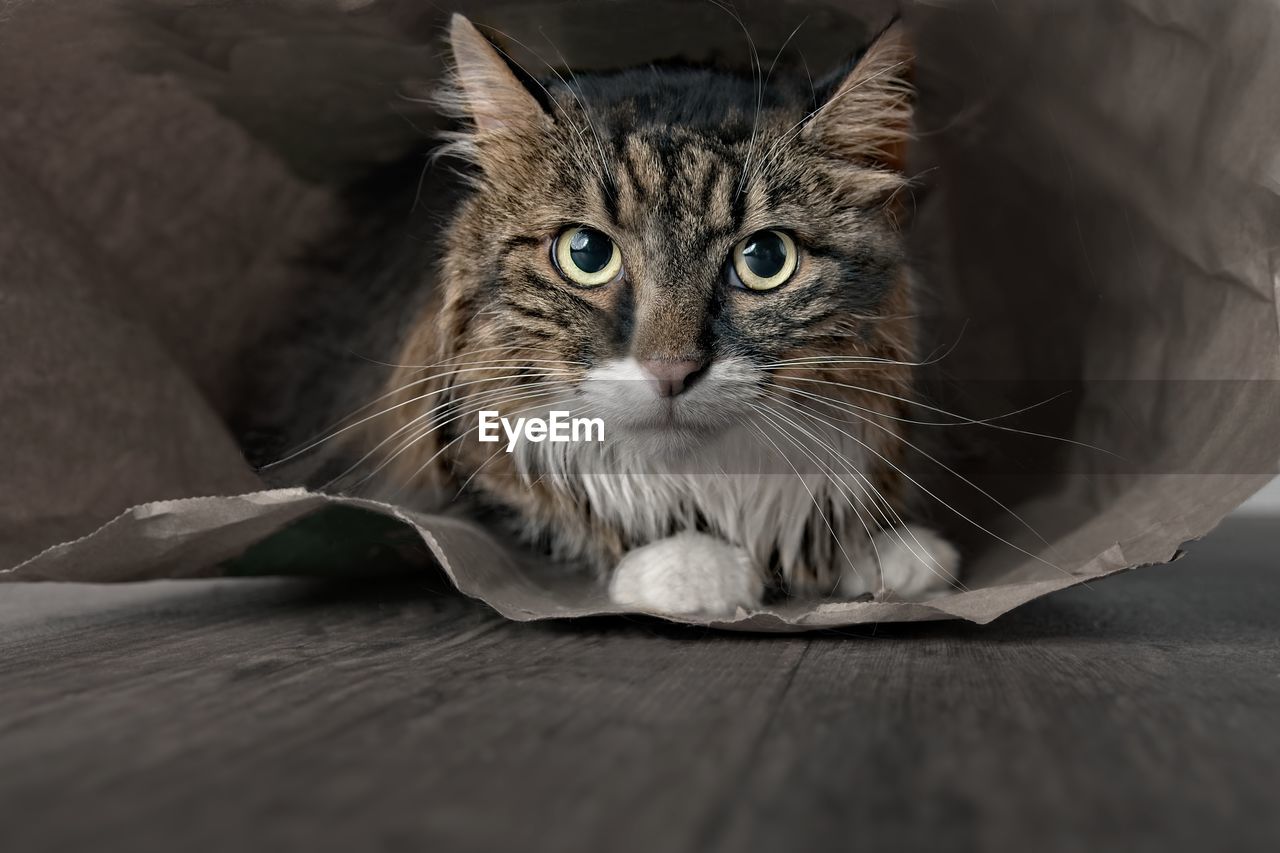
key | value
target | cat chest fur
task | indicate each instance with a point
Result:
(792, 512)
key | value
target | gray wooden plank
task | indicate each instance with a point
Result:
(271, 714)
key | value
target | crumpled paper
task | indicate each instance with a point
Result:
(1097, 226)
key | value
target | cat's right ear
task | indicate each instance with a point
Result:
(487, 87)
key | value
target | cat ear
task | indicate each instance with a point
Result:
(487, 86)
(867, 111)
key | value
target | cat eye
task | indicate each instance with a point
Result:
(763, 261)
(586, 257)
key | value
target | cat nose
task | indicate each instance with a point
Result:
(672, 377)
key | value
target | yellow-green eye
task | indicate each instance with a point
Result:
(586, 257)
(763, 261)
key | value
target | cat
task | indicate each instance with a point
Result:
(717, 273)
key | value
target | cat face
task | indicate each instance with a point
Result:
(662, 247)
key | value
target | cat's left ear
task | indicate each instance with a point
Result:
(490, 88)
(866, 114)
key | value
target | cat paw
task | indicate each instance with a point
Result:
(914, 563)
(687, 574)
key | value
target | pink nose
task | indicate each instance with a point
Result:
(672, 377)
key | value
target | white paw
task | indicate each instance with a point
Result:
(914, 563)
(687, 574)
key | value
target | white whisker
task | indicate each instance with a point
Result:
(893, 525)
(929, 493)
(494, 396)
(960, 419)
(834, 480)
(516, 372)
(433, 426)
(812, 497)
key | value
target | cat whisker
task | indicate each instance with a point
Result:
(843, 407)
(604, 162)
(460, 436)
(757, 75)
(521, 411)
(892, 520)
(514, 363)
(508, 363)
(504, 348)
(336, 431)
(816, 362)
(813, 90)
(801, 408)
(475, 473)
(462, 138)
(575, 90)
(848, 560)
(799, 126)
(747, 163)
(427, 429)
(941, 353)
(495, 396)
(960, 419)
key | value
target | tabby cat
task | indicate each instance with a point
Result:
(717, 273)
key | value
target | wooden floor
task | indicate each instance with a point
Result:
(1140, 714)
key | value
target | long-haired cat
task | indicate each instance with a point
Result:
(714, 270)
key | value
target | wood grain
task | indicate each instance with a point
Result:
(1140, 714)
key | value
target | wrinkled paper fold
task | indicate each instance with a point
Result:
(1102, 212)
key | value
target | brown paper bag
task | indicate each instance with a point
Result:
(1099, 236)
